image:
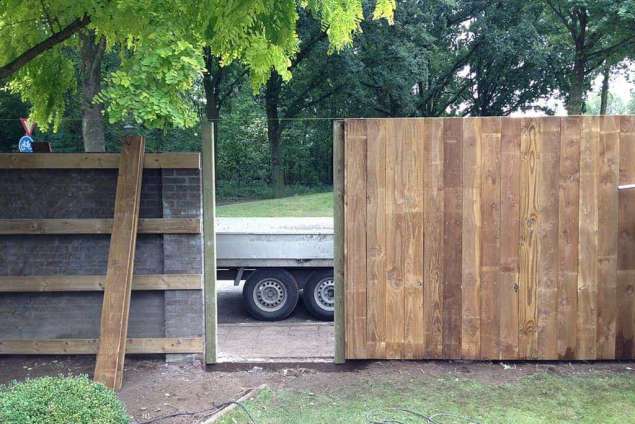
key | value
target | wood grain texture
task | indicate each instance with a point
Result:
(81, 283)
(376, 237)
(471, 241)
(434, 210)
(607, 195)
(509, 239)
(97, 226)
(452, 235)
(588, 241)
(568, 230)
(516, 228)
(95, 160)
(413, 146)
(547, 270)
(625, 320)
(90, 346)
(490, 235)
(339, 229)
(355, 215)
(116, 303)
(528, 249)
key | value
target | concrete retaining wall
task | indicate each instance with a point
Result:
(41, 194)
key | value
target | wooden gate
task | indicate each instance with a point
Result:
(489, 238)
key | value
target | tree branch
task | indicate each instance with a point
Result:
(57, 38)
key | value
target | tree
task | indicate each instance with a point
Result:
(160, 45)
(586, 34)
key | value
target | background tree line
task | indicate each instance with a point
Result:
(438, 58)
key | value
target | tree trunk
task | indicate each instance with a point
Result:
(92, 53)
(274, 130)
(604, 96)
(211, 83)
(575, 102)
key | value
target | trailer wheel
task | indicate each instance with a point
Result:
(319, 295)
(270, 294)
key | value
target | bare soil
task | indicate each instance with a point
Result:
(153, 388)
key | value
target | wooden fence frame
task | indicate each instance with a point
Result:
(75, 283)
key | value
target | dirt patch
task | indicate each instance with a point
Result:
(153, 388)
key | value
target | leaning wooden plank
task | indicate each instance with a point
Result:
(568, 228)
(79, 283)
(116, 304)
(376, 237)
(90, 346)
(95, 160)
(208, 184)
(586, 324)
(355, 211)
(490, 235)
(547, 273)
(97, 226)
(433, 239)
(625, 325)
(608, 175)
(452, 239)
(412, 243)
(339, 240)
(528, 253)
(510, 238)
(470, 241)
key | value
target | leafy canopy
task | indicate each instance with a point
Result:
(160, 45)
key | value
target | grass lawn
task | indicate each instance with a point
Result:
(540, 398)
(320, 204)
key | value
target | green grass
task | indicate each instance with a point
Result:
(319, 204)
(541, 398)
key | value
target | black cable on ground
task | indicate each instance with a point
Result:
(207, 411)
(372, 418)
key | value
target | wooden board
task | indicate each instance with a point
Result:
(116, 303)
(90, 346)
(94, 160)
(339, 240)
(519, 235)
(208, 186)
(81, 283)
(97, 226)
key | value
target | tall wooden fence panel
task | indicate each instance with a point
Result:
(489, 238)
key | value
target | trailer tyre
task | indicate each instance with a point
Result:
(319, 295)
(270, 294)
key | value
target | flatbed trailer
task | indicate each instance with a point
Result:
(280, 260)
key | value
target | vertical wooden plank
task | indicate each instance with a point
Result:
(608, 175)
(433, 239)
(588, 250)
(625, 331)
(208, 184)
(339, 237)
(510, 238)
(471, 242)
(452, 235)
(569, 199)
(528, 251)
(413, 240)
(376, 237)
(116, 303)
(547, 273)
(395, 174)
(490, 235)
(355, 253)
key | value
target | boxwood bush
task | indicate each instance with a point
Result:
(60, 400)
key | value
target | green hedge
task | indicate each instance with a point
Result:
(60, 400)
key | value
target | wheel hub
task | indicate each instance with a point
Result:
(324, 294)
(270, 295)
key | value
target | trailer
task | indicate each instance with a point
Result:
(280, 259)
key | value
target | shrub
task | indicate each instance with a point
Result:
(60, 400)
